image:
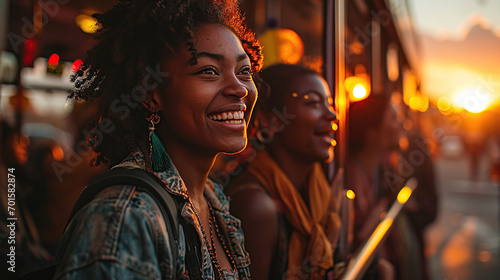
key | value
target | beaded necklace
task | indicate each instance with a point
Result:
(211, 244)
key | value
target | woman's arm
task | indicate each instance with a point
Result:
(259, 221)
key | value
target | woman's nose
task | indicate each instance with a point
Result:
(329, 114)
(236, 88)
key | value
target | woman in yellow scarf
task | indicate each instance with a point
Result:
(283, 198)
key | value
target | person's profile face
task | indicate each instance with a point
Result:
(310, 133)
(207, 106)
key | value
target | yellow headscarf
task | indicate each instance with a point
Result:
(311, 246)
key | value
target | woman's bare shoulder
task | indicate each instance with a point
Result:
(249, 198)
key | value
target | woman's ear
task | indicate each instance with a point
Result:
(152, 102)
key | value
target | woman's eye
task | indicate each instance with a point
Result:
(208, 71)
(314, 103)
(246, 71)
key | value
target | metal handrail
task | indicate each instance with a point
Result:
(364, 257)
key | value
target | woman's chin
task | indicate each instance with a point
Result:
(235, 147)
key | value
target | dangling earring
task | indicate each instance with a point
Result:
(159, 157)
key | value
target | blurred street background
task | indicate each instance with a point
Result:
(436, 61)
(464, 241)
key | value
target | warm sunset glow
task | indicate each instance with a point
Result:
(350, 194)
(451, 80)
(404, 194)
(472, 100)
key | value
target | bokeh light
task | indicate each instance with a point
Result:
(76, 65)
(87, 23)
(350, 194)
(472, 100)
(358, 88)
(54, 59)
(404, 194)
(359, 91)
(281, 46)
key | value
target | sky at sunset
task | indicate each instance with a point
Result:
(460, 47)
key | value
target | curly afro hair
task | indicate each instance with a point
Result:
(134, 37)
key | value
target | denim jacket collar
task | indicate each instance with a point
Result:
(174, 183)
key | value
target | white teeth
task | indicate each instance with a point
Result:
(236, 115)
(233, 121)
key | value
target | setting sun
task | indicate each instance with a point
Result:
(472, 100)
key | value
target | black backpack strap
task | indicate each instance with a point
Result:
(193, 250)
(146, 182)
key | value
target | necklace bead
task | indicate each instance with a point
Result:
(212, 250)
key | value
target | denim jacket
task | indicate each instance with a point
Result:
(121, 234)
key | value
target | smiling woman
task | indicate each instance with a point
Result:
(283, 199)
(174, 81)
(220, 84)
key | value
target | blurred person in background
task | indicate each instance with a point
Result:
(285, 203)
(373, 133)
(29, 254)
(377, 170)
(174, 83)
(421, 209)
